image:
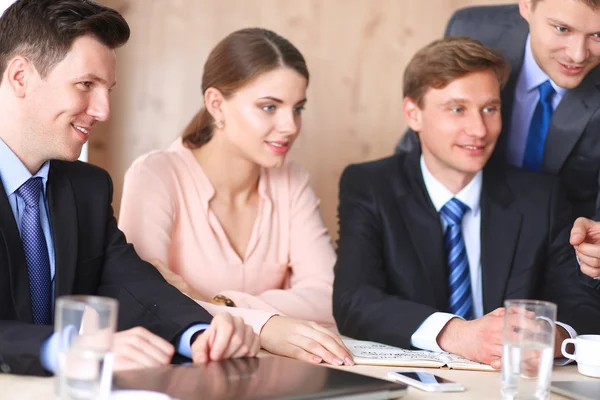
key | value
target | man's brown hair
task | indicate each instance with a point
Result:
(444, 60)
(43, 31)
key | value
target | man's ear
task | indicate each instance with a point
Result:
(213, 101)
(412, 114)
(525, 9)
(18, 73)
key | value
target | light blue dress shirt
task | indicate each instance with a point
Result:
(525, 100)
(13, 174)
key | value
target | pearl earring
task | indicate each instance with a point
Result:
(219, 124)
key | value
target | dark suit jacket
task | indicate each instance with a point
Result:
(572, 149)
(391, 272)
(92, 257)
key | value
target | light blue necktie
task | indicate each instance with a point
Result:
(36, 251)
(459, 278)
(538, 129)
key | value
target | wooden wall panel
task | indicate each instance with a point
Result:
(356, 51)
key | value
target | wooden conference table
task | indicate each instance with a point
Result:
(480, 385)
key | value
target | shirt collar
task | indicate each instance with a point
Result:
(533, 75)
(14, 173)
(440, 195)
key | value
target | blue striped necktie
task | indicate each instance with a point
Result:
(36, 251)
(459, 278)
(538, 129)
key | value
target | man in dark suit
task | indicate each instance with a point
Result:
(58, 234)
(554, 41)
(432, 243)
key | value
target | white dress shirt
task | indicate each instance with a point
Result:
(425, 337)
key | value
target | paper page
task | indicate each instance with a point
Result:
(382, 354)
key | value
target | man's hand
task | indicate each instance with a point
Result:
(561, 336)
(226, 337)
(585, 238)
(303, 340)
(139, 348)
(478, 340)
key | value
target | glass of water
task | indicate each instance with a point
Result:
(84, 326)
(528, 349)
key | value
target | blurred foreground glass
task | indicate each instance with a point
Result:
(85, 326)
(528, 349)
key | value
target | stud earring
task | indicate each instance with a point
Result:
(219, 124)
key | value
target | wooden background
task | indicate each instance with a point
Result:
(356, 52)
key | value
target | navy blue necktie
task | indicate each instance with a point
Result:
(538, 129)
(459, 278)
(36, 251)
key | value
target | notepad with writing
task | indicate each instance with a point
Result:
(372, 353)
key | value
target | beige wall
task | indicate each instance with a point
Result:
(356, 51)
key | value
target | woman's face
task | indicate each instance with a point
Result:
(263, 118)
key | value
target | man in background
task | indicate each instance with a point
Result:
(433, 242)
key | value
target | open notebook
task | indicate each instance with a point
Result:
(372, 353)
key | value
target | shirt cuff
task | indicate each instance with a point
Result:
(49, 353)
(425, 337)
(560, 361)
(184, 347)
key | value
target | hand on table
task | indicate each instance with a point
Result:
(303, 340)
(226, 337)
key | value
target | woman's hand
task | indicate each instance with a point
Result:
(303, 340)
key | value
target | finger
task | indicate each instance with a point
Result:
(201, 347)
(300, 354)
(224, 329)
(318, 344)
(347, 354)
(145, 341)
(157, 342)
(591, 261)
(255, 348)
(588, 249)
(124, 364)
(137, 356)
(496, 363)
(236, 343)
(579, 230)
(590, 271)
(246, 348)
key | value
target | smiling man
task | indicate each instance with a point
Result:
(58, 234)
(551, 103)
(433, 242)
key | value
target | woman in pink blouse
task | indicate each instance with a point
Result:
(225, 219)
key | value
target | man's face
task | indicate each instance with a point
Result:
(565, 38)
(458, 125)
(62, 109)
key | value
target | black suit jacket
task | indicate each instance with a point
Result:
(572, 148)
(391, 272)
(92, 257)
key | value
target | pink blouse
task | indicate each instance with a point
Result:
(288, 266)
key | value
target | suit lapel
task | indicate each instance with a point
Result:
(565, 129)
(63, 218)
(500, 228)
(17, 265)
(515, 32)
(424, 228)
